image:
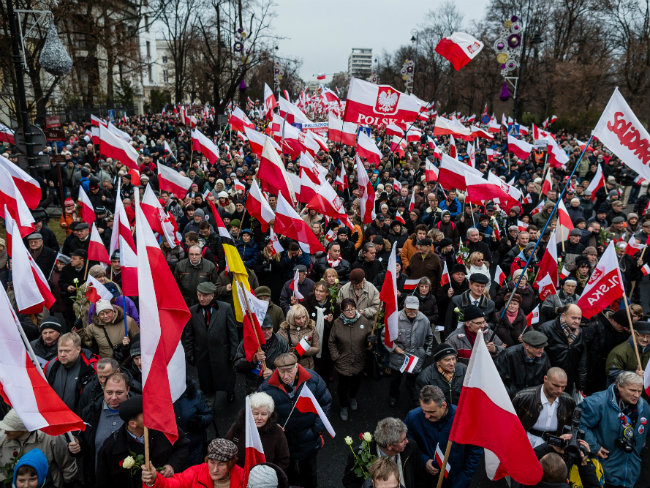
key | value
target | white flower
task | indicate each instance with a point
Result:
(367, 436)
(76, 281)
(457, 310)
(348, 440)
(128, 462)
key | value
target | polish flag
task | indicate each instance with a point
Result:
(471, 155)
(129, 269)
(294, 286)
(548, 264)
(172, 181)
(160, 221)
(604, 286)
(341, 132)
(238, 120)
(272, 173)
(557, 157)
(564, 224)
(397, 186)
(205, 146)
(258, 206)
(411, 284)
(119, 133)
(302, 347)
(341, 181)
(291, 113)
(596, 183)
(394, 130)
(430, 171)
(453, 152)
(493, 125)
(6, 134)
(480, 190)
(412, 202)
(546, 287)
(440, 458)
(27, 186)
(289, 223)
(398, 146)
(276, 246)
(547, 185)
(452, 173)
(370, 104)
(564, 273)
(252, 332)
(254, 449)
(645, 269)
(633, 246)
(507, 449)
(307, 403)
(533, 317)
(23, 385)
(366, 148)
(408, 366)
(112, 146)
(31, 289)
(400, 218)
(121, 226)
(521, 225)
(444, 127)
(326, 201)
(519, 148)
(388, 296)
(321, 76)
(445, 279)
(366, 194)
(499, 276)
(87, 210)
(256, 140)
(96, 291)
(459, 49)
(11, 198)
(96, 121)
(413, 135)
(639, 180)
(269, 101)
(163, 359)
(96, 249)
(478, 132)
(308, 188)
(523, 130)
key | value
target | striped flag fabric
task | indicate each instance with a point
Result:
(254, 448)
(411, 284)
(408, 366)
(440, 457)
(533, 317)
(307, 403)
(302, 347)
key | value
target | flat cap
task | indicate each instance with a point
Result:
(222, 450)
(285, 359)
(301, 268)
(262, 291)
(575, 232)
(479, 278)
(207, 288)
(34, 235)
(618, 220)
(535, 338)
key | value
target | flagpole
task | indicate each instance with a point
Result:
(250, 317)
(539, 239)
(289, 416)
(544, 175)
(86, 269)
(126, 330)
(629, 319)
(146, 446)
(441, 475)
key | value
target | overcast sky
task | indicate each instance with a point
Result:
(323, 33)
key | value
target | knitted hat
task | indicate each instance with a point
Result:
(51, 323)
(262, 476)
(103, 305)
(222, 450)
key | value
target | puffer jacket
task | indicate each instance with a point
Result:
(602, 427)
(348, 344)
(572, 358)
(293, 335)
(108, 337)
(415, 338)
(248, 252)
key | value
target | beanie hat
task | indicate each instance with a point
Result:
(262, 476)
(51, 323)
(103, 305)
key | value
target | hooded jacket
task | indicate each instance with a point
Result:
(37, 460)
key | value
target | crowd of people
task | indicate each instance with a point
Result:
(575, 383)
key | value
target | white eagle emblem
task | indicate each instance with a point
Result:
(387, 100)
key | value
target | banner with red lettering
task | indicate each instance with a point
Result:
(604, 286)
(623, 134)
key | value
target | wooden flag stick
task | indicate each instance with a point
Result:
(146, 446)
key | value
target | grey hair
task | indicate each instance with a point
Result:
(389, 431)
(424, 281)
(629, 378)
(471, 229)
(261, 399)
(571, 282)
(103, 362)
(430, 393)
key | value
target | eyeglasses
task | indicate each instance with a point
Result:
(350, 310)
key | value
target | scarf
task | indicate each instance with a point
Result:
(511, 315)
(333, 264)
(320, 325)
(348, 321)
(471, 336)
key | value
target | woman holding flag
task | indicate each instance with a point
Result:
(301, 334)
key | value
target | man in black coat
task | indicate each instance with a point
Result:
(332, 260)
(129, 440)
(446, 373)
(75, 270)
(79, 239)
(43, 255)
(45, 347)
(210, 341)
(525, 364)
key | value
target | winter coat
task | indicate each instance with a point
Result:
(131, 309)
(198, 476)
(212, 349)
(428, 306)
(189, 276)
(372, 269)
(622, 358)
(108, 337)
(275, 346)
(321, 264)
(548, 309)
(248, 252)
(572, 358)
(602, 428)
(509, 332)
(529, 297)
(293, 335)
(517, 373)
(426, 264)
(43, 351)
(305, 288)
(528, 405)
(274, 442)
(432, 376)
(86, 373)
(366, 299)
(408, 250)
(442, 297)
(459, 341)
(415, 338)
(348, 344)
(194, 416)
(224, 279)
(463, 300)
(303, 430)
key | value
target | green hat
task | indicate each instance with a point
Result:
(235, 223)
(207, 288)
(262, 291)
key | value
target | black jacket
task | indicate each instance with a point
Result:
(517, 372)
(45, 260)
(275, 346)
(431, 376)
(343, 269)
(86, 372)
(572, 358)
(528, 405)
(428, 306)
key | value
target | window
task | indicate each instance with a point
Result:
(166, 76)
(150, 74)
(146, 23)
(148, 49)
(164, 59)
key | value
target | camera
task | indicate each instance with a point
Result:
(624, 444)
(571, 446)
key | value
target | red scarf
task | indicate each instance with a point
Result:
(471, 336)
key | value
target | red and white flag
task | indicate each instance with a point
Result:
(633, 246)
(533, 317)
(366, 148)
(273, 175)
(478, 132)
(163, 359)
(480, 190)
(596, 183)
(388, 296)
(507, 449)
(452, 173)
(253, 337)
(23, 386)
(121, 226)
(289, 223)
(302, 347)
(557, 157)
(128, 269)
(96, 291)
(341, 132)
(326, 201)
(307, 403)
(28, 187)
(408, 366)
(430, 171)
(413, 135)
(172, 181)
(258, 206)
(521, 225)
(31, 290)
(370, 104)
(205, 146)
(114, 147)
(254, 448)
(548, 264)
(269, 101)
(341, 181)
(499, 276)
(294, 285)
(519, 148)
(445, 279)
(87, 210)
(459, 49)
(448, 127)
(119, 133)
(564, 222)
(256, 140)
(623, 134)
(564, 273)
(292, 113)
(276, 246)
(440, 458)
(6, 134)
(604, 286)
(238, 120)
(412, 202)
(547, 185)
(366, 194)
(321, 76)
(394, 130)
(538, 208)
(645, 269)
(12, 199)
(397, 186)
(411, 284)
(547, 287)
(96, 248)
